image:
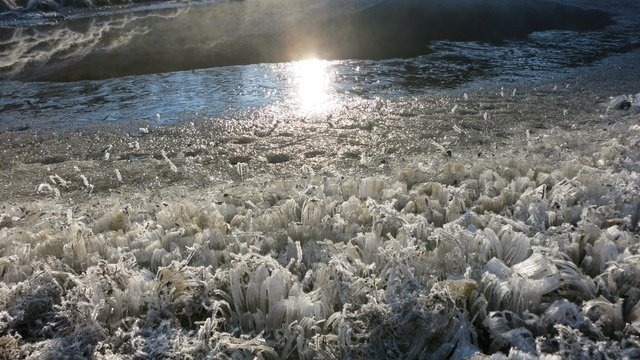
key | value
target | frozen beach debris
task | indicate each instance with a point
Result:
(172, 166)
(515, 293)
(606, 315)
(519, 256)
(57, 180)
(620, 102)
(574, 284)
(370, 187)
(463, 287)
(5, 221)
(46, 188)
(307, 171)
(563, 312)
(89, 187)
(452, 172)
(263, 296)
(438, 146)
(118, 175)
(241, 169)
(349, 188)
(107, 152)
(313, 211)
(113, 221)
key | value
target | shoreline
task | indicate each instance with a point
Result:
(351, 139)
(355, 235)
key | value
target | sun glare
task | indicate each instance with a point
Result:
(312, 85)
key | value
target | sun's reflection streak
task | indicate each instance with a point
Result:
(312, 82)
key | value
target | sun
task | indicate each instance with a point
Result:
(312, 84)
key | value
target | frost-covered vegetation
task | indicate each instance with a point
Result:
(532, 252)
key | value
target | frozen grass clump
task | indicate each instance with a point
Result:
(518, 256)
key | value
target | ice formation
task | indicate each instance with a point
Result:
(519, 256)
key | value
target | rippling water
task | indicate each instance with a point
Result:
(280, 88)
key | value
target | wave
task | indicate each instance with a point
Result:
(246, 32)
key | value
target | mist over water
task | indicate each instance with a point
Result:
(150, 40)
(389, 49)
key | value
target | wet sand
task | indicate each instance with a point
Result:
(366, 137)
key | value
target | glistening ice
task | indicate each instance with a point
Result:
(525, 254)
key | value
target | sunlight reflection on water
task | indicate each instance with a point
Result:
(313, 86)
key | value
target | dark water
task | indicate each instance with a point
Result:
(165, 62)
